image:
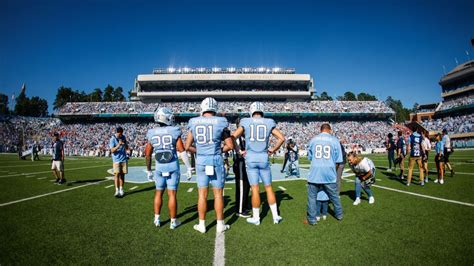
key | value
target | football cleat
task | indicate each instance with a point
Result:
(121, 193)
(356, 202)
(426, 180)
(201, 229)
(441, 181)
(436, 180)
(157, 222)
(277, 220)
(318, 218)
(324, 217)
(244, 214)
(371, 200)
(117, 194)
(408, 184)
(255, 221)
(174, 224)
(221, 228)
(422, 183)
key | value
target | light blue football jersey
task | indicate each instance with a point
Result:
(257, 136)
(324, 152)
(207, 133)
(163, 140)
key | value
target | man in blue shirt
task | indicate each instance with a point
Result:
(401, 153)
(58, 159)
(166, 142)
(416, 151)
(324, 152)
(208, 131)
(257, 131)
(118, 148)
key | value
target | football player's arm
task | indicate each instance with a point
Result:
(228, 142)
(280, 140)
(148, 152)
(189, 143)
(238, 132)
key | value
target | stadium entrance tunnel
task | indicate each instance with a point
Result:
(137, 175)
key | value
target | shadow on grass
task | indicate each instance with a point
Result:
(279, 195)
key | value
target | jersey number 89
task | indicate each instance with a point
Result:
(321, 151)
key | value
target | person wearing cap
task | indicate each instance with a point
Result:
(57, 165)
(167, 144)
(118, 148)
(448, 149)
(208, 132)
(258, 131)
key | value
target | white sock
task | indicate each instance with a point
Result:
(173, 220)
(220, 222)
(202, 223)
(273, 208)
(185, 159)
(121, 188)
(256, 213)
(157, 217)
(116, 189)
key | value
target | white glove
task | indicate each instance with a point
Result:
(190, 174)
(149, 175)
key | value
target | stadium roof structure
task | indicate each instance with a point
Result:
(229, 83)
(462, 74)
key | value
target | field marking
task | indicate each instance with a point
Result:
(190, 189)
(48, 194)
(44, 177)
(420, 195)
(49, 171)
(46, 164)
(109, 186)
(219, 250)
(282, 188)
(133, 188)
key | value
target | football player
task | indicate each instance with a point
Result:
(207, 132)
(439, 159)
(166, 143)
(364, 169)
(257, 131)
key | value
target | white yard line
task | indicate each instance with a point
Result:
(133, 188)
(48, 194)
(109, 186)
(190, 189)
(219, 250)
(44, 177)
(420, 195)
(49, 171)
(282, 188)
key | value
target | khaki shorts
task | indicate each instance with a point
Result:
(57, 165)
(120, 168)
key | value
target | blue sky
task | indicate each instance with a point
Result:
(395, 48)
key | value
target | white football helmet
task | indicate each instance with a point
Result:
(165, 116)
(256, 107)
(208, 105)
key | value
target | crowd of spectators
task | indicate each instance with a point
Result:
(227, 107)
(454, 125)
(86, 139)
(457, 102)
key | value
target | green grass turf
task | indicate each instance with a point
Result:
(89, 226)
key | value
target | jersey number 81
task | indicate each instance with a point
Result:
(204, 134)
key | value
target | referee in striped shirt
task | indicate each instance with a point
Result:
(242, 186)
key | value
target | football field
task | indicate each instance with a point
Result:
(82, 223)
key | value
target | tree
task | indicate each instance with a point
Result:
(4, 104)
(415, 107)
(63, 95)
(349, 96)
(96, 95)
(117, 95)
(366, 97)
(38, 107)
(401, 113)
(108, 93)
(325, 97)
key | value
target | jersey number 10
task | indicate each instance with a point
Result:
(258, 132)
